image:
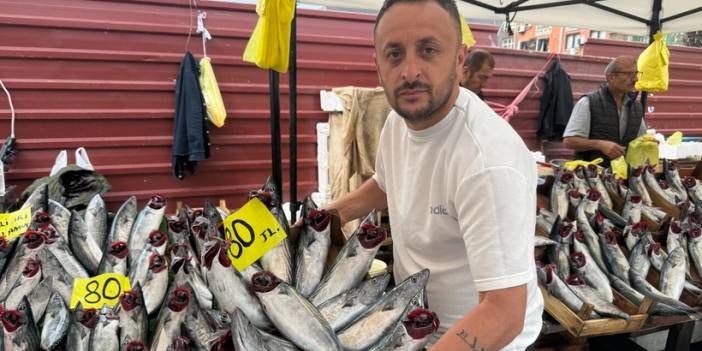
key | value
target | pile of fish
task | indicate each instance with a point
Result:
(186, 295)
(603, 235)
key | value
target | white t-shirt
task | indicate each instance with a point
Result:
(462, 202)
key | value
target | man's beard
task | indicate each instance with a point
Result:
(431, 107)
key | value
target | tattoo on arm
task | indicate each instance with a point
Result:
(463, 335)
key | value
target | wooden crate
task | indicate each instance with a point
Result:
(578, 326)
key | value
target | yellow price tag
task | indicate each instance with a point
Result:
(15, 223)
(253, 231)
(96, 291)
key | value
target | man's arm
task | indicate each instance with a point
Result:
(609, 148)
(360, 201)
(492, 325)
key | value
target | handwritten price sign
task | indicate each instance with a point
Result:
(253, 231)
(15, 223)
(96, 291)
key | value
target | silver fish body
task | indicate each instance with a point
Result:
(133, 319)
(60, 218)
(411, 334)
(673, 274)
(591, 296)
(617, 261)
(147, 221)
(86, 249)
(25, 283)
(376, 322)
(293, 315)
(96, 220)
(18, 329)
(83, 322)
(559, 194)
(245, 335)
(56, 322)
(39, 297)
(636, 183)
(633, 207)
(170, 318)
(342, 309)
(352, 263)
(592, 275)
(123, 222)
(672, 175)
(105, 335)
(313, 248)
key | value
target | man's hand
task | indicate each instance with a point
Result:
(611, 149)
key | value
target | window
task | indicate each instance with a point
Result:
(542, 45)
(597, 35)
(508, 43)
(524, 45)
(573, 41)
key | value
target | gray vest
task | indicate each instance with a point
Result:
(604, 121)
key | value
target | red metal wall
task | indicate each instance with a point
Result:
(101, 74)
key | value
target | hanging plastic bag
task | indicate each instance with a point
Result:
(653, 65)
(642, 150)
(269, 45)
(675, 138)
(466, 34)
(216, 112)
(619, 167)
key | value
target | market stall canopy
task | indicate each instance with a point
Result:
(619, 16)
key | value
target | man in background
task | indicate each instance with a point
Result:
(477, 70)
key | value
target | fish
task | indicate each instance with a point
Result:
(170, 318)
(39, 297)
(30, 244)
(574, 198)
(593, 178)
(672, 176)
(83, 322)
(633, 233)
(593, 276)
(313, 247)
(613, 216)
(38, 200)
(56, 322)
(105, 335)
(18, 329)
(245, 335)
(114, 259)
(342, 309)
(25, 283)
(654, 186)
(123, 222)
(589, 295)
(541, 241)
(352, 263)
(636, 184)
(379, 320)
(579, 182)
(147, 221)
(694, 244)
(616, 260)
(694, 190)
(154, 280)
(228, 287)
(672, 280)
(133, 318)
(202, 334)
(591, 238)
(60, 218)
(559, 193)
(86, 249)
(58, 262)
(293, 315)
(185, 269)
(96, 220)
(549, 276)
(412, 334)
(633, 207)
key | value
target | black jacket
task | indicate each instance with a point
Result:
(191, 142)
(556, 103)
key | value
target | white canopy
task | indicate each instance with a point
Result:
(619, 16)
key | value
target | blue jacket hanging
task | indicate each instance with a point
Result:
(191, 142)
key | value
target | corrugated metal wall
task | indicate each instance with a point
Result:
(101, 74)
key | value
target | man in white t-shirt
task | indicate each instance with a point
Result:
(459, 183)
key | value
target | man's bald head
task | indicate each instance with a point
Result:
(616, 64)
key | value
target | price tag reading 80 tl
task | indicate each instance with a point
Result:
(96, 291)
(253, 231)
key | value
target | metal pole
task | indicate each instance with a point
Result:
(292, 84)
(654, 27)
(274, 86)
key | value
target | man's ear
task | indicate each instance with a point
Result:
(462, 54)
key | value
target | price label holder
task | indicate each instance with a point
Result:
(14, 224)
(253, 231)
(96, 291)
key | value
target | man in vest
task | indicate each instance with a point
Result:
(477, 70)
(604, 121)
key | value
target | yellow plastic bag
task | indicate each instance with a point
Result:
(572, 165)
(216, 112)
(619, 167)
(653, 65)
(675, 138)
(466, 34)
(641, 150)
(269, 45)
